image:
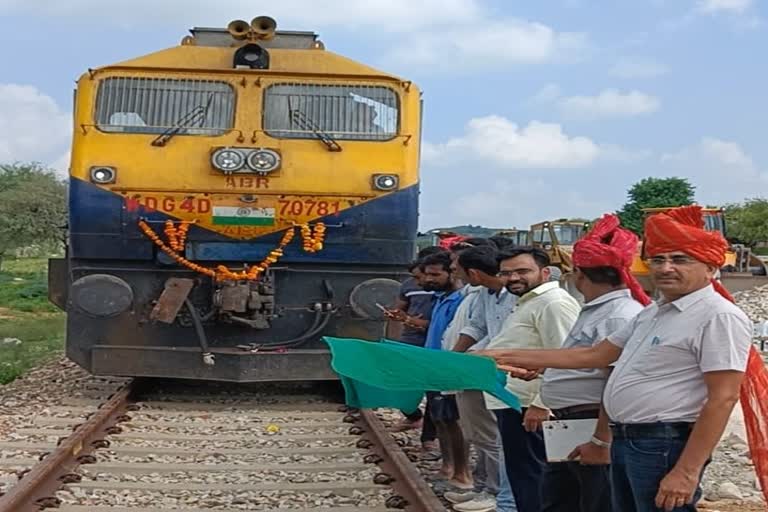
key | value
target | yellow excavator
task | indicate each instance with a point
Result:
(742, 269)
(557, 237)
(519, 236)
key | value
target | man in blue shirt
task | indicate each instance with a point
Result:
(438, 278)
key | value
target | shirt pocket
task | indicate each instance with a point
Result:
(665, 357)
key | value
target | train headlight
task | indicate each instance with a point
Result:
(103, 175)
(227, 160)
(263, 160)
(385, 181)
(251, 56)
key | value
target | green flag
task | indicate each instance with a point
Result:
(396, 375)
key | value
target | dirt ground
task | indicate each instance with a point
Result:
(732, 507)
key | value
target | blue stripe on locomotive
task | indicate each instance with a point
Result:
(381, 231)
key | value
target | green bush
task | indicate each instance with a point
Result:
(31, 328)
(27, 341)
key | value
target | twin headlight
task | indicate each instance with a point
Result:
(231, 160)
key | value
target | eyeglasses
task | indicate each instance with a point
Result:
(675, 261)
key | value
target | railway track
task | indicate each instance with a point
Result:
(131, 446)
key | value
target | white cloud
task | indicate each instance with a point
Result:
(511, 41)
(501, 142)
(732, 6)
(609, 103)
(716, 152)
(548, 94)
(32, 126)
(516, 202)
(416, 33)
(387, 15)
(61, 164)
(721, 170)
(638, 67)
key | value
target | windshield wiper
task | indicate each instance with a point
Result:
(306, 123)
(197, 115)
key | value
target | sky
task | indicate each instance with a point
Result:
(533, 110)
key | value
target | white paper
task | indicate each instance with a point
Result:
(562, 436)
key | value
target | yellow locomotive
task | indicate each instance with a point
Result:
(232, 199)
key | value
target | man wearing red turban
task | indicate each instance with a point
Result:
(679, 368)
(612, 299)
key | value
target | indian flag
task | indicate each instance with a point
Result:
(243, 216)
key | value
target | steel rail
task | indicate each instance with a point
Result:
(36, 489)
(412, 492)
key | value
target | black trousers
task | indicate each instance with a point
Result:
(571, 487)
(524, 459)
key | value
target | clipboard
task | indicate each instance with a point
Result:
(562, 436)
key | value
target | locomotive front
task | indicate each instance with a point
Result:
(232, 200)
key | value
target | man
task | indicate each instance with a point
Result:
(493, 304)
(439, 278)
(544, 315)
(408, 323)
(612, 299)
(680, 367)
(450, 338)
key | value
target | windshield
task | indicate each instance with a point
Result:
(541, 236)
(567, 234)
(155, 105)
(713, 222)
(342, 112)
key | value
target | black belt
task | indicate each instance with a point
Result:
(565, 412)
(676, 430)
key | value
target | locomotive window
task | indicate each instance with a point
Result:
(344, 112)
(154, 105)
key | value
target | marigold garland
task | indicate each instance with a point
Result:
(149, 232)
(177, 237)
(312, 241)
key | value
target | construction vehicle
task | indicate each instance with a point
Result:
(518, 236)
(557, 237)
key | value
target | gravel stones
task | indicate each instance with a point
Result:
(754, 302)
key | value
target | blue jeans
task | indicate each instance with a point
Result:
(505, 501)
(639, 463)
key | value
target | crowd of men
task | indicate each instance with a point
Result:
(660, 378)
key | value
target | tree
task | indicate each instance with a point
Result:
(747, 222)
(654, 193)
(33, 206)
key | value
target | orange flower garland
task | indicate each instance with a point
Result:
(177, 237)
(312, 242)
(173, 254)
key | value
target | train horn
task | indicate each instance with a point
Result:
(264, 27)
(238, 29)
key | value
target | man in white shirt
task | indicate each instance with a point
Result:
(679, 366)
(544, 315)
(613, 297)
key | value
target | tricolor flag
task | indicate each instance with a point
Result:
(243, 216)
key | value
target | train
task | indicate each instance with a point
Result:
(232, 200)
